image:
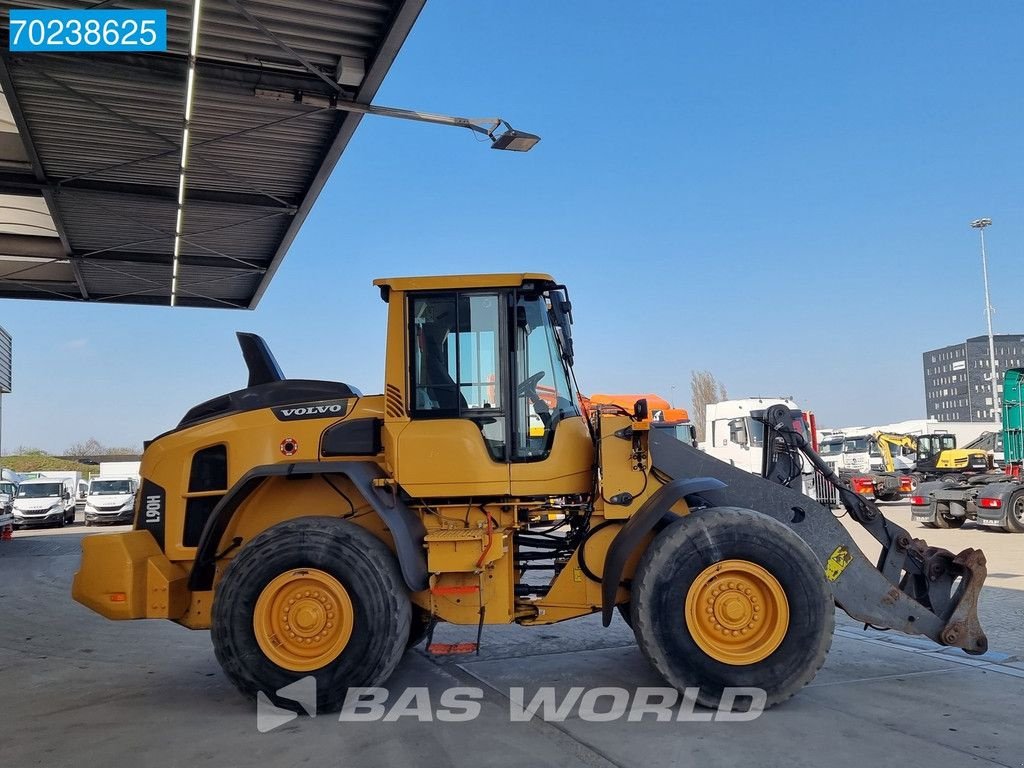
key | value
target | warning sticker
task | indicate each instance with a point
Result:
(837, 563)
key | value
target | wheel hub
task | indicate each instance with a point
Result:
(303, 619)
(737, 612)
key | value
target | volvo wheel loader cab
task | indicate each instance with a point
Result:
(319, 531)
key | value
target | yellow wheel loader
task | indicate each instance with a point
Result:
(318, 531)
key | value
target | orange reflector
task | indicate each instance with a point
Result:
(456, 590)
(448, 649)
(118, 597)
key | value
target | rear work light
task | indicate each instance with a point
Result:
(990, 503)
(919, 501)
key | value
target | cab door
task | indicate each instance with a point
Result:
(552, 451)
(453, 442)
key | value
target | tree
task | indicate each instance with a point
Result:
(93, 447)
(704, 389)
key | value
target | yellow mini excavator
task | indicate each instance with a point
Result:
(937, 454)
(319, 531)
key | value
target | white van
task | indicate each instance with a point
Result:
(44, 501)
(110, 500)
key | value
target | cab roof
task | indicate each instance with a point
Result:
(451, 282)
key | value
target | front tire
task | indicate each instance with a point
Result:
(313, 596)
(729, 597)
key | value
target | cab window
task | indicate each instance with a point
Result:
(543, 395)
(456, 361)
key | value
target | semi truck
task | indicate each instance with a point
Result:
(732, 435)
(873, 464)
(993, 499)
(661, 413)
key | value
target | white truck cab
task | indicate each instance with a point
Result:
(44, 501)
(831, 451)
(732, 436)
(858, 455)
(110, 500)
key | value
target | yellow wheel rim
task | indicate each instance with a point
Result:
(737, 612)
(303, 619)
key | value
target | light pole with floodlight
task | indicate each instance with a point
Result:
(980, 224)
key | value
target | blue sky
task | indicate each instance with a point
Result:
(778, 192)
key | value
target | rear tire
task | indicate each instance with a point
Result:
(365, 580)
(1015, 513)
(689, 563)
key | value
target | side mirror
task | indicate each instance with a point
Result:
(640, 410)
(738, 432)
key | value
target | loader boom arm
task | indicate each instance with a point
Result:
(911, 589)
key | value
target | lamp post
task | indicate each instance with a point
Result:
(980, 224)
(508, 139)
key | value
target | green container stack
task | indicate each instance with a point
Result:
(1013, 415)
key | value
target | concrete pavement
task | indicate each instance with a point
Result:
(80, 689)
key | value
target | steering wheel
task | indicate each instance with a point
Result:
(529, 387)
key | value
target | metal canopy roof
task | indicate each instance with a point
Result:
(91, 148)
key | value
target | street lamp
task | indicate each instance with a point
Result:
(980, 224)
(508, 139)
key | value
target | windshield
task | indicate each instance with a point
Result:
(831, 448)
(681, 432)
(543, 394)
(39, 490)
(109, 487)
(855, 445)
(755, 428)
(7, 488)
